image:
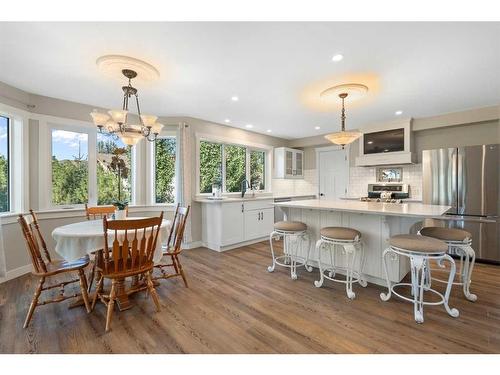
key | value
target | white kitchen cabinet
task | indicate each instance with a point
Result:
(258, 223)
(288, 163)
(228, 224)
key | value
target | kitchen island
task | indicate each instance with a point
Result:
(376, 221)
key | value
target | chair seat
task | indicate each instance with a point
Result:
(340, 233)
(61, 265)
(416, 243)
(290, 226)
(122, 271)
(446, 234)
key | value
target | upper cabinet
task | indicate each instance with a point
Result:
(387, 144)
(288, 163)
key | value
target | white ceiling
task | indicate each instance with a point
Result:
(276, 69)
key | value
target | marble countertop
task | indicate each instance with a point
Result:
(374, 208)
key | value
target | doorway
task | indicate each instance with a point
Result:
(333, 172)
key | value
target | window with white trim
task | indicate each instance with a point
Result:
(114, 180)
(165, 155)
(228, 165)
(4, 164)
(70, 167)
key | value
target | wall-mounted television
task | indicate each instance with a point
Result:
(392, 140)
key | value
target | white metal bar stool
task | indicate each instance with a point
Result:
(459, 243)
(419, 249)
(350, 241)
(294, 235)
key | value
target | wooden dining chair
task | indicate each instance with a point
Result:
(130, 253)
(95, 213)
(45, 268)
(173, 247)
(99, 212)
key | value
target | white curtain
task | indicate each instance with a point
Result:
(3, 266)
(184, 173)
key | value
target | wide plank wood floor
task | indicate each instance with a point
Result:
(233, 305)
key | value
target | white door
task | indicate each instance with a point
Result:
(333, 174)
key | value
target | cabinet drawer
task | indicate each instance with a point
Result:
(258, 205)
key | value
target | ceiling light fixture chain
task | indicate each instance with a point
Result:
(116, 125)
(344, 137)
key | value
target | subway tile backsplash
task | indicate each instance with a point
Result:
(360, 177)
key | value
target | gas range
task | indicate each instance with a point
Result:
(367, 199)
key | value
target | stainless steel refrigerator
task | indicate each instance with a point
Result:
(468, 179)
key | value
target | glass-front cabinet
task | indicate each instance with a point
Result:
(288, 163)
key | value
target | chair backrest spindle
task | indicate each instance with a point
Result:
(31, 238)
(133, 245)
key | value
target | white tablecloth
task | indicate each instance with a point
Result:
(75, 240)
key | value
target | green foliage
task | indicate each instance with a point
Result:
(69, 181)
(257, 172)
(210, 165)
(235, 163)
(235, 167)
(108, 188)
(165, 170)
(4, 184)
(120, 205)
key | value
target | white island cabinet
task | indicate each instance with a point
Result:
(232, 222)
(377, 222)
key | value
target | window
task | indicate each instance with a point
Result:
(257, 169)
(4, 165)
(235, 167)
(210, 165)
(69, 167)
(114, 181)
(229, 164)
(165, 155)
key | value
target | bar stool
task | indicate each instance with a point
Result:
(350, 241)
(294, 235)
(419, 249)
(459, 243)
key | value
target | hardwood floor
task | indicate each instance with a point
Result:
(234, 305)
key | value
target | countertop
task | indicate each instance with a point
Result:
(375, 208)
(249, 198)
(406, 200)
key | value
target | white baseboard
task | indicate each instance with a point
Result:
(192, 245)
(16, 272)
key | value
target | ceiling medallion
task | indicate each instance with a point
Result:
(355, 90)
(114, 64)
(115, 122)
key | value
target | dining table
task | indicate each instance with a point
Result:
(76, 240)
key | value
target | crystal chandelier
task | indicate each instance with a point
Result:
(115, 122)
(344, 137)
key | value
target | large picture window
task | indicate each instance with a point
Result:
(210, 165)
(69, 167)
(165, 155)
(4, 165)
(228, 165)
(113, 183)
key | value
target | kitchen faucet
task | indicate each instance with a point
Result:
(244, 185)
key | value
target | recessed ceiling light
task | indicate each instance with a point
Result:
(317, 128)
(398, 113)
(249, 126)
(370, 142)
(227, 121)
(234, 98)
(338, 57)
(269, 130)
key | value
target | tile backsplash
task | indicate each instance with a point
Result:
(306, 186)
(360, 177)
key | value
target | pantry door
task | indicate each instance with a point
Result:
(333, 172)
